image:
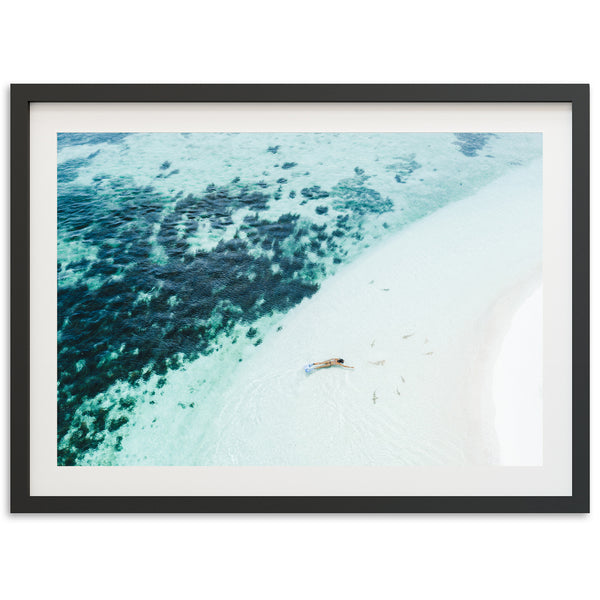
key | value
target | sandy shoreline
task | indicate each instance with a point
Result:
(409, 316)
(517, 382)
(418, 316)
(485, 395)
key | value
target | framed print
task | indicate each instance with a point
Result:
(300, 298)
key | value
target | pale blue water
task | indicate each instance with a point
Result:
(173, 247)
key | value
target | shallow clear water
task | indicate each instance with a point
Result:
(188, 249)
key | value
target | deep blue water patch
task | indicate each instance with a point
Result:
(69, 169)
(471, 143)
(352, 194)
(314, 193)
(124, 316)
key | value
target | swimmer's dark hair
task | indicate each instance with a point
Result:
(340, 360)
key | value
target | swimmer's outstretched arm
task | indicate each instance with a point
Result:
(345, 366)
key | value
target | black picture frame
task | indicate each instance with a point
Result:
(22, 95)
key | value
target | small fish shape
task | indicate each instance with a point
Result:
(372, 343)
(407, 336)
(385, 289)
(380, 363)
(372, 281)
(374, 397)
(428, 353)
(402, 379)
(397, 391)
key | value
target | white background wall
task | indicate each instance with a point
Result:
(441, 556)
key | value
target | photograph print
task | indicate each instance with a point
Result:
(299, 299)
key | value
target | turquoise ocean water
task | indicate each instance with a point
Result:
(175, 248)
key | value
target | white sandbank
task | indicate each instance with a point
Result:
(517, 386)
(419, 317)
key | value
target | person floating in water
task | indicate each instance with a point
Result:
(325, 364)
